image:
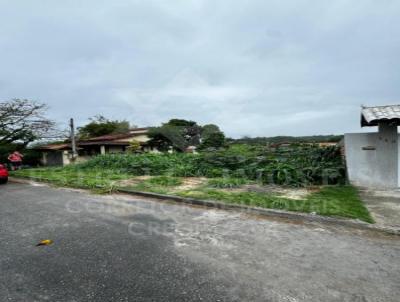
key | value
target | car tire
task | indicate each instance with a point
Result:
(3, 181)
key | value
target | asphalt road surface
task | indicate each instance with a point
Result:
(120, 248)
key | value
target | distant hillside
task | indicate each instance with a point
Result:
(287, 139)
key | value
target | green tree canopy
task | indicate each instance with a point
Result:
(179, 134)
(99, 125)
(211, 137)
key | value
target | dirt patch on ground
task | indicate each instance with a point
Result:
(133, 181)
(290, 193)
(190, 183)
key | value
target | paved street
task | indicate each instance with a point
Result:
(384, 205)
(120, 248)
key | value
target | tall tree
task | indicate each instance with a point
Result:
(180, 134)
(99, 125)
(23, 121)
(211, 137)
(177, 134)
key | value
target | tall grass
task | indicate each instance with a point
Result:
(295, 166)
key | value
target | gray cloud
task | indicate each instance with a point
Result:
(256, 67)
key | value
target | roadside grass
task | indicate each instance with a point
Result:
(340, 201)
(166, 181)
(97, 179)
(158, 184)
(227, 182)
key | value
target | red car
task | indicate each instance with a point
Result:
(3, 174)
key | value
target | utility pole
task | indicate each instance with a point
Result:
(73, 142)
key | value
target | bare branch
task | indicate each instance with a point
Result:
(23, 121)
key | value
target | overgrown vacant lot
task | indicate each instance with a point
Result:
(300, 182)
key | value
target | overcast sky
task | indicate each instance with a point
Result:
(254, 67)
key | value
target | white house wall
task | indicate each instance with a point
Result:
(372, 158)
(139, 138)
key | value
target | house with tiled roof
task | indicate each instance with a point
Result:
(61, 154)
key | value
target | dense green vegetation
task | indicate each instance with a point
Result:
(226, 173)
(99, 125)
(287, 139)
(294, 166)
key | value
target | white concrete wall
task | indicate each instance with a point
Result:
(372, 158)
(142, 138)
(66, 158)
(82, 158)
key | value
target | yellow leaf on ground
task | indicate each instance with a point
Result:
(45, 242)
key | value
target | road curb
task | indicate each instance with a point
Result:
(264, 212)
(244, 209)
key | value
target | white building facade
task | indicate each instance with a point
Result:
(372, 159)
